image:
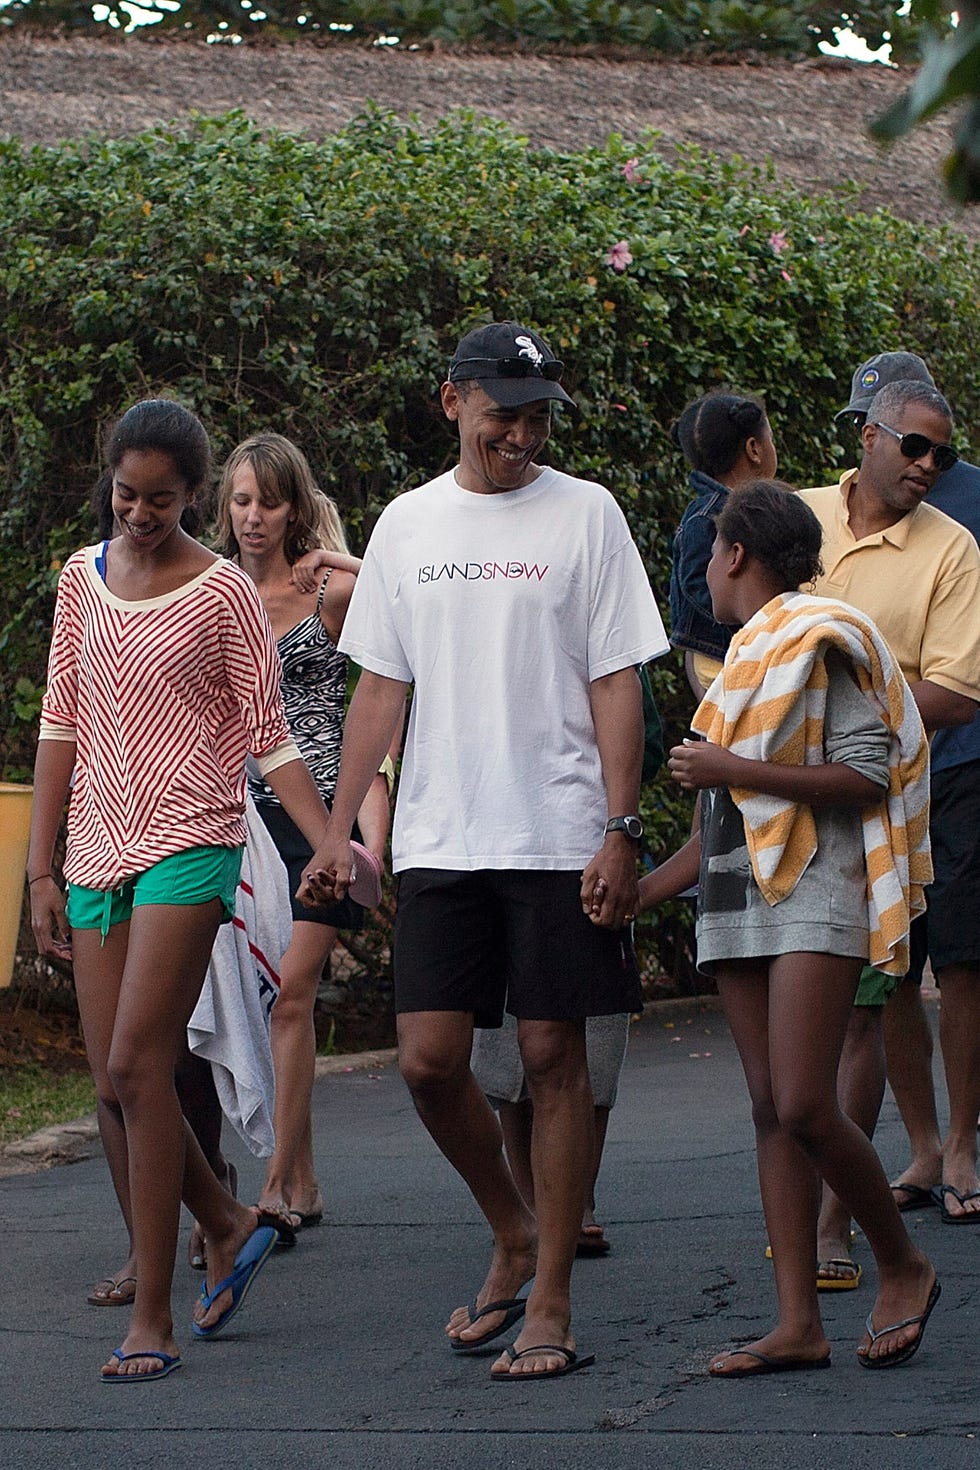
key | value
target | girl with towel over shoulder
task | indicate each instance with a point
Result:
(811, 859)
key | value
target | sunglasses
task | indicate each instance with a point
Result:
(917, 446)
(506, 367)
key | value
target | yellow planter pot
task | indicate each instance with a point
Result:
(15, 826)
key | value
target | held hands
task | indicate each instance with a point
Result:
(609, 891)
(51, 934)
(327, 875)
(696, 764)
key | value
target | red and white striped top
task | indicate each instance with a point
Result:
(164, 699)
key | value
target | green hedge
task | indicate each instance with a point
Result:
(318, 288)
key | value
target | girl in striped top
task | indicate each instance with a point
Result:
(787, 961)
(163, 676)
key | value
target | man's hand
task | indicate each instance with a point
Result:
(696, 764)
(326, 876)
(609, 893)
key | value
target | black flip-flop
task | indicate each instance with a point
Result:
(967, 1217)
(573, 1362)
(282, 1222)
(513, 1309)
(306, 1222)
(592, 1244)
(765, 1364)
(902, 1356)
(917, 1197)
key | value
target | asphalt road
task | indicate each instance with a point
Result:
(339, 1357)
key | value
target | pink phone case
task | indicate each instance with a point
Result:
(365, 878)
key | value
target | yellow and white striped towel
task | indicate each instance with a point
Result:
(768, 703)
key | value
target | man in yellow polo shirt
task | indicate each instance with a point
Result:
(917, 574)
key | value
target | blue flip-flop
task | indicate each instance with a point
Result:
(249, 1261)
(167, 1365)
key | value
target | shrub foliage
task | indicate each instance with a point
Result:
(317, 288)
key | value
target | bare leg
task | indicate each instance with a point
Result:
(290, 1180)
(562, 1161)
(516, 1123)
(860, 1088)
(434, 1056)
(97, 1009)
(516, 1120)
(810, 1000)
(908, 1044)
(959, 1035)
(165, 959)
(787, 1179)
(807, 1103)
(199, 1103)
(198, 1097)
(593, 1235)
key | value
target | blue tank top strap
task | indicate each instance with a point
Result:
(100, 557)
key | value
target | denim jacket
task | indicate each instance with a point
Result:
(691, 622)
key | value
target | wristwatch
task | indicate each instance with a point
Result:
(632, 826)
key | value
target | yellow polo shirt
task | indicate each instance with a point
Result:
(919, 580)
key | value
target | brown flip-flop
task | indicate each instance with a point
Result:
(114, 1297)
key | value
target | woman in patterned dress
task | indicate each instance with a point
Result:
(270, 513)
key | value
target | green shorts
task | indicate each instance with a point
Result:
(195, 875)
(875, 987)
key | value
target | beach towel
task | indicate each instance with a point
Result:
(767, 704)
(230, 1023)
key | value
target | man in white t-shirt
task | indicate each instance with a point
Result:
(513, 597)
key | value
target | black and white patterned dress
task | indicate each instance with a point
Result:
(314, 690)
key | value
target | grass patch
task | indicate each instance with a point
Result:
(31, 1097)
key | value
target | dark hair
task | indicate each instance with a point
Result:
(166, 426)
(896, 397)
(776, 527)
(712, 430)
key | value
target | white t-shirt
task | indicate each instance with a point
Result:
(502, 609)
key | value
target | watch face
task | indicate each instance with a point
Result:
(632, 826)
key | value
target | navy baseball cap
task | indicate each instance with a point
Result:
(511, 363)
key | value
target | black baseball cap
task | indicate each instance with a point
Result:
(511, 363)
(878, 372)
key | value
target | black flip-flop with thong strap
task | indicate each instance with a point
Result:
(573, 1361)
